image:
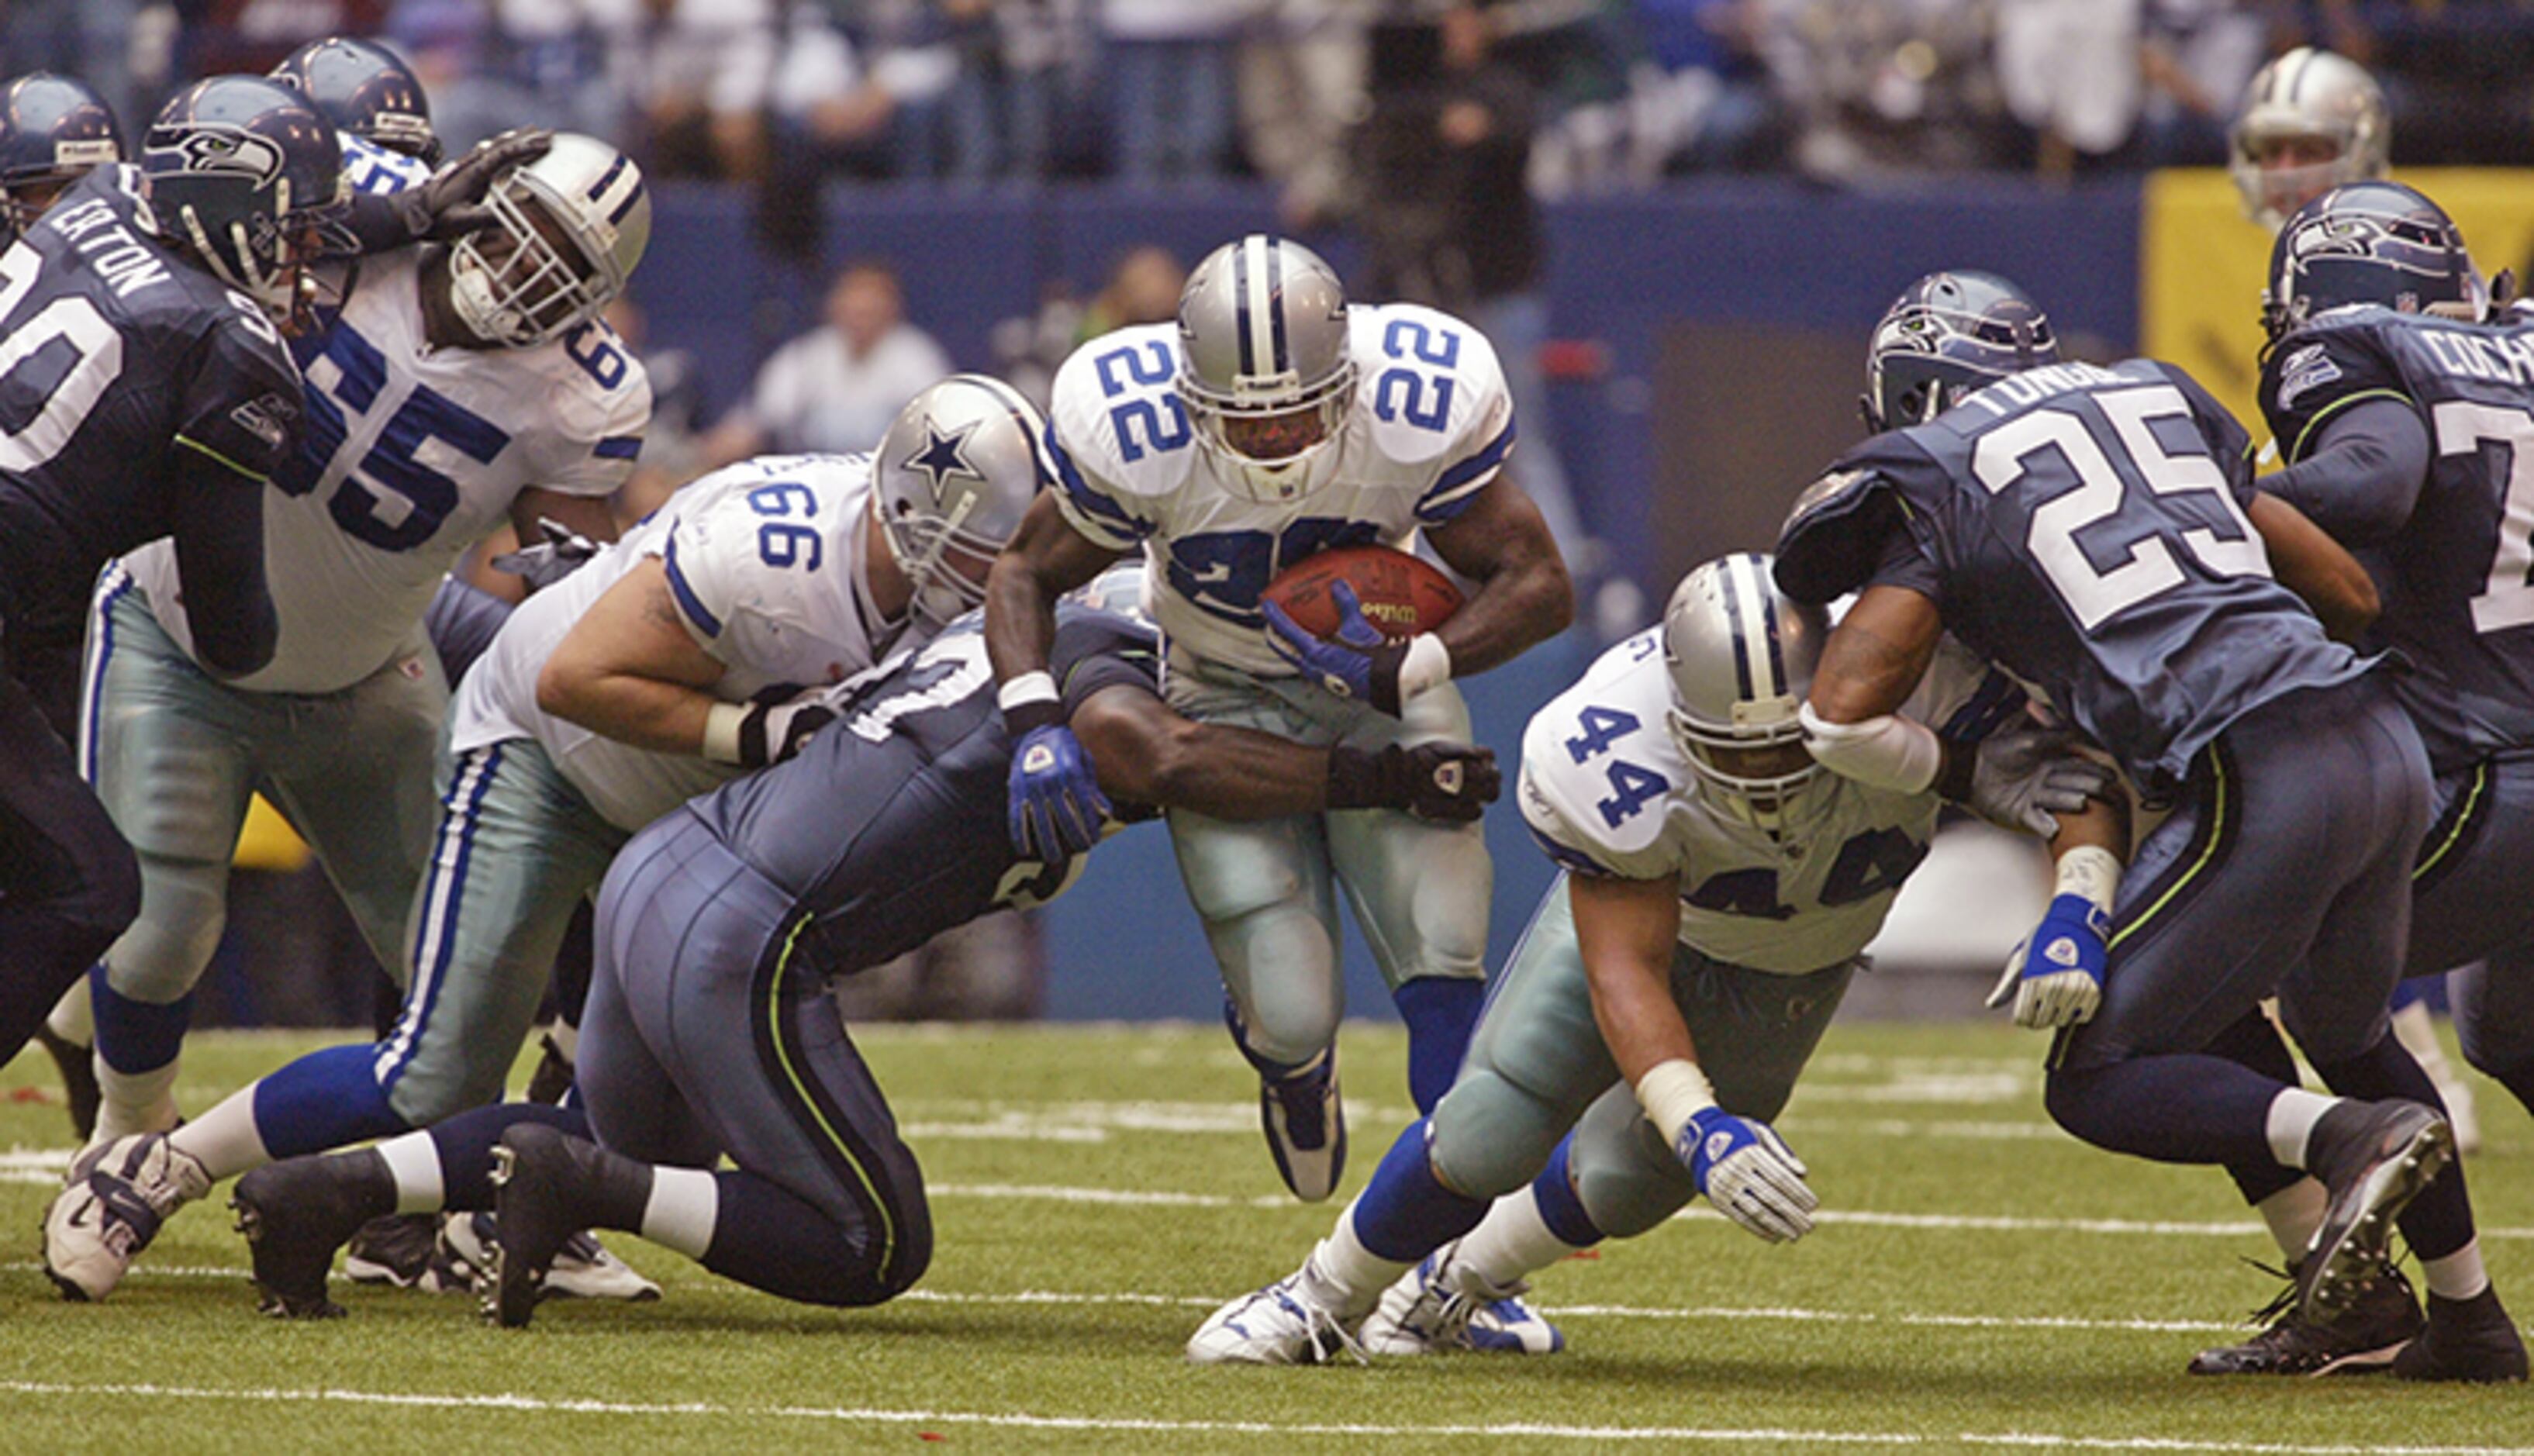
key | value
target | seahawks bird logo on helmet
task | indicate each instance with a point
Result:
(246, 176)
(2370, 242)
(1946, 335)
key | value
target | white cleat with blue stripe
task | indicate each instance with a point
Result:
(1284, 1323)
(119, 1193)
(1444, 1305)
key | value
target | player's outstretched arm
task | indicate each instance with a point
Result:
(1524, 595)
(1624, 929)
(630, 669)
(1869, 667)
(1056, 805)
(219, 520)
(2316, 567)
(1148, 754)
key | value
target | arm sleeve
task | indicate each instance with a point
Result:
(1094, 652)
(217, 515)
(1904, 562)
(2361, 473)
(241, 406)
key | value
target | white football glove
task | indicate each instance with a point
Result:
(2063, 984)
(1747, 1171)
(2020, 775)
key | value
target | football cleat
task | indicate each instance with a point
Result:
(1306, 1126)
(403, 1250)
(582, 1269)
(546, 1184)
(1281, 1324)
(2366, 1337)
(2467, 1340)
(1442, 1304)
(2374, 1158)
(119, 1193)
(79, 1090)
(294, 1214)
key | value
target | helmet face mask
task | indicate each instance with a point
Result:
(1741, 660)
(954, 473)
(2370, 242)
(1947, 335)
(568, 229)
(1266, 370)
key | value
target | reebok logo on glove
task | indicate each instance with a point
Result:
(2062, 951)
(1717, 1143)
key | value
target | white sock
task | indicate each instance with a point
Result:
(2293, 1213)
(2293, 1114)
(136, 1102)
(686, 1202)
(224, 1139)
(1346, 1276)
(413, 1161)
(1511, 1242)
(73, 1017)
(2457, 1276)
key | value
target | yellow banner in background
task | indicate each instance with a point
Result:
(266, 840)
(2200, 265)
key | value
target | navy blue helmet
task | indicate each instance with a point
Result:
(364, 90)
(1947, 334)
(245, 174)
(2369, 242)
(53, 130)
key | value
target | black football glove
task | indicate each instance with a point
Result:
(448, 206)
(1447, 781)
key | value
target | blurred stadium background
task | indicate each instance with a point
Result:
(1676, 218)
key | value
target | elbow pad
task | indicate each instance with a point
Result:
(1886, 753)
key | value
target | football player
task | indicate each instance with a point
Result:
(727, 917)
(2401, 419)
(1270, 422)
(170, 403)
(450, 395)
(2093, 531)
(1719, 889)
(2310, 121)
(603, 703)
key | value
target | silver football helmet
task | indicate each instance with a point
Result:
(1741, 660)
(570, 226)
(1264, 365)
(955, 474)
(2311, 121)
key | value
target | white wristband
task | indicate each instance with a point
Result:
(1891, 751)
(721, 731)
(1673, 1092)
(1428, 664)
(1028, 688)
(2092, 872)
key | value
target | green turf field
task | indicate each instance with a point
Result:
(1980, 1282)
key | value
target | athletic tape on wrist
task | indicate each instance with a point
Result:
(721, 731)
(1672, 1092)
(2092, 872)
(1886, 753)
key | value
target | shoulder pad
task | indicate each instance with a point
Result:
(1612, 718)
(1835, 534)
(1431, 384)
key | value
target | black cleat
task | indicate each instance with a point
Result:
(2365, 1338)
(294, 1215)
(2467, 1340)
(403, 1250)
(80, 1091)
(549, 1187)
(2374, 1158)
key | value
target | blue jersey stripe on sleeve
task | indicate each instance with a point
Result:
(1091, 501)
(1453, 490)
(1569, 857)
(688, 602)
(618, 448)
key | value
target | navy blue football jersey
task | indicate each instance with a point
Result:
(114, 355)
(2457, 579)
(890, 826)
(2083, 528)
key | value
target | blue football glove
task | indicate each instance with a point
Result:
(1362, 663)
(1748, 1172)
(1055, 801)
(2056, 976)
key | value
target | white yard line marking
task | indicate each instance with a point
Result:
(1026, 1421)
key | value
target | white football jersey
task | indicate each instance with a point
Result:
(1429, 427)
(1606, 790)
(408, 455)
(765, 562)
(371, 167)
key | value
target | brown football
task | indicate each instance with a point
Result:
(1401, 594)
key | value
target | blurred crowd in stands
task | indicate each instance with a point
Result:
(1612, 93)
